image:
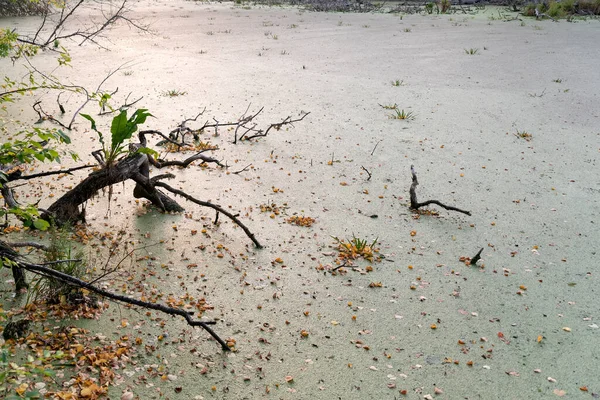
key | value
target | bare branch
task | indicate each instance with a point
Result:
(186, 162)
(60, 171)
(415, 205)
(49, 272)
(214, 207)
(276, 126)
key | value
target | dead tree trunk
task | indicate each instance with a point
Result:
(135, 166)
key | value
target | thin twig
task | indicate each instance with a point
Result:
(61, 171)
(242, 170)
(376, 144)
(367, 171)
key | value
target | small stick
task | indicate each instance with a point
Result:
(376, 144)
(242, 170)
(367, 171)
(339, 266)
(217, 220)
(476, 258)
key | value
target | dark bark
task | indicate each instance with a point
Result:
(135, 166)
(476, 258)
(19, 277)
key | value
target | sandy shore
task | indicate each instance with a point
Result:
(534, 203)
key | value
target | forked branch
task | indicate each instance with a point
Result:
(414, 203)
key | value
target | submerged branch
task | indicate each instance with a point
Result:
(414, 203)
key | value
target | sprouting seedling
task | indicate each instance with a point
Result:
(471, 51)
(404, 115)
(524, 135)
(398, 82)
(174, 93)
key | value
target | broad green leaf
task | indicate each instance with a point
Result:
(41, 224)
(119, 129)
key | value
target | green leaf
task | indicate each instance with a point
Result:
(41, 224)
(86, 116)
(34, 394)
(119, 129)
(146, 150)
(64, 138)
(122, 128)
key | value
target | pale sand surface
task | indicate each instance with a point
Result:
(522, 194)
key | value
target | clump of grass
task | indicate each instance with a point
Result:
(407, 30)
(366, 26)
(356, 248)
(293, 26)
(284, 52)
(445, 6)
(403, 115)
(558, 80)
(524, 135)
(55, 291)
(128, 73)
(389, 106)
(174, 93)
(275, 37)
(397, 82)
(471, 51)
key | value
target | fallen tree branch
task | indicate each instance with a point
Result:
(414, 203)
(49, 272)
(214, 207)
(18, 263)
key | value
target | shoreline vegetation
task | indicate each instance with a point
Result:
(565, 9)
